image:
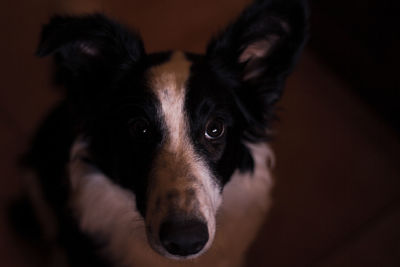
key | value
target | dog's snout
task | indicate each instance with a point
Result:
(183, 237)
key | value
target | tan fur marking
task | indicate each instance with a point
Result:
(172, 74)
(177, 166)
(168, 82)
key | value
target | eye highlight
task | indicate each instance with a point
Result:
(139, 128)
(215, 129)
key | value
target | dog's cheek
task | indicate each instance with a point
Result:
(103, 209)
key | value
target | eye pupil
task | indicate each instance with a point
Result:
(214, 129)
(139, 128)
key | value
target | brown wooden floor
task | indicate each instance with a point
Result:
(337, 193)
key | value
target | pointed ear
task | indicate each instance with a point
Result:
(258, 51)
(89, 49)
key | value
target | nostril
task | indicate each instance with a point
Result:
(183, 237)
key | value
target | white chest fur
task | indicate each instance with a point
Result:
(107, 210)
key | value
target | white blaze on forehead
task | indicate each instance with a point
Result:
(178, 166)
(168, 82)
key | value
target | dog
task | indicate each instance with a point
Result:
(159, 159)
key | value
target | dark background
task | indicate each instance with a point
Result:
(360, 41)
(337, 187)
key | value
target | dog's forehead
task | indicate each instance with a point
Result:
(168, 82)
(170, 77)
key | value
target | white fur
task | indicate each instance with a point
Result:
(168, 81)
(105, 209)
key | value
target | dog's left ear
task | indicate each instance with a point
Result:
(257, 52)
(89, 50)
(91, 53)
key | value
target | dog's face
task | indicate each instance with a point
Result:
(170, 127)
(167, 140)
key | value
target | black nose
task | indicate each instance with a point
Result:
(183, 237)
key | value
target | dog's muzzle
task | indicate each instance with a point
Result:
(182, 203)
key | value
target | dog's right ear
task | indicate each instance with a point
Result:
(256, 53)
(89, 50)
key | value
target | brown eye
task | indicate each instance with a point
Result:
(139, 128)
(215, 128)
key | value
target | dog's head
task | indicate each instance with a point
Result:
(170, 127)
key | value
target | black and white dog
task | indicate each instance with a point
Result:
(160, 159)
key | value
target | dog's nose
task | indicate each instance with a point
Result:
(183, 237)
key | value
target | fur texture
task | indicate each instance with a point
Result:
(160, 159)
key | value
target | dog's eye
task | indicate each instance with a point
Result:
(139, 128)
(215, 129)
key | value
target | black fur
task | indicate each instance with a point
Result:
(102, 67)
(285, 19)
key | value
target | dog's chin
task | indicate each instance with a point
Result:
(159, 249)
